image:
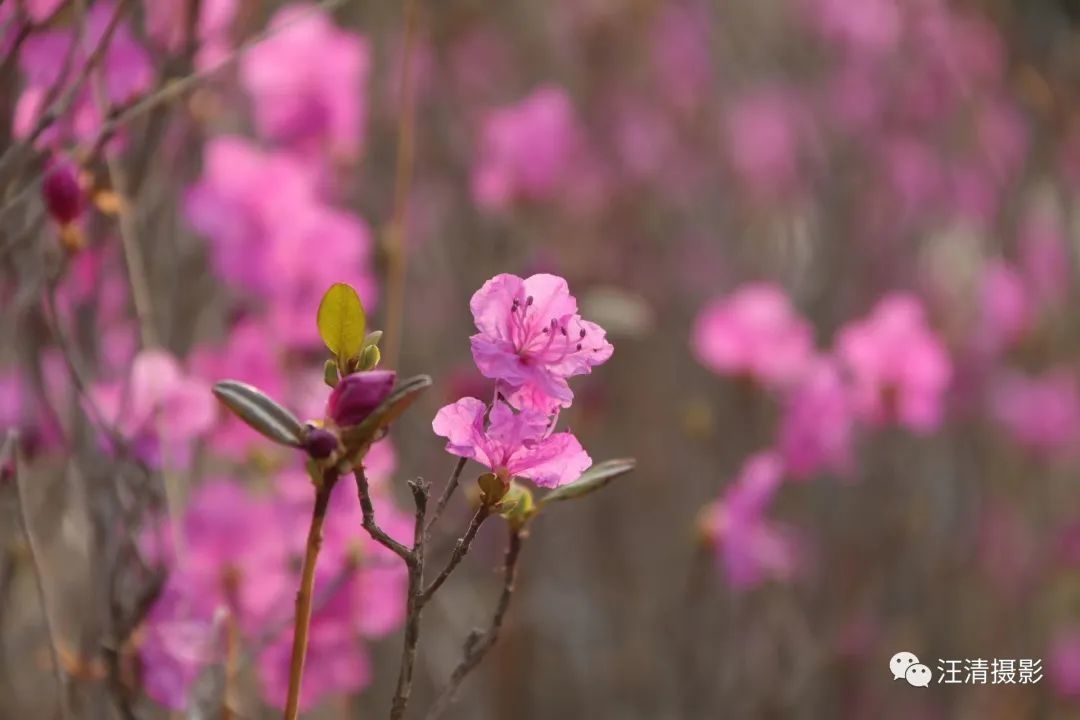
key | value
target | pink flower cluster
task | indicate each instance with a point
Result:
(269, 210)
(234, 562)
(531, 341)
(887, 368)
(528, 151)
(48, 75)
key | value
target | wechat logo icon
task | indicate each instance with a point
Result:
(905, 666)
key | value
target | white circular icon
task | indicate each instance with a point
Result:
(900, 663)
(918, 675)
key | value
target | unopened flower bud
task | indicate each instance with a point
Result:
(357, 395)
(320, 443)
(62, 195)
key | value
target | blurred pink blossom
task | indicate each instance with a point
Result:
(750, 548)
(680, 54)
(816, 428)
(527, 150)
(1040, 412)
(11, 401)
(158, 407)
(128, 73)
(754, 332)
(765, 132)
(512, 444)
(167, 23)
(1044, 251)
(1063, 663)
(530, 332)
(870, 27)
(262, 215)
(899, 368)
(1005, 312)
(308, 83)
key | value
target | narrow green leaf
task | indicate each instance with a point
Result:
(591, 480)
(260, 412)
(358, 437)
(341, 321)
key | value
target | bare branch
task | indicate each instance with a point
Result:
(479, 642)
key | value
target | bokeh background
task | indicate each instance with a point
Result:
(833, 242)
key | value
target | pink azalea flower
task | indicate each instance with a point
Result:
(1041, 413)
(369, 604)
(765, 136)
(167, 22)
(817, 424)
(233, 555)
(308, 83)
(754, 332)
(230, 562)
(857, 26)
(680, 54)
(899, 368)
(176, 643)
(750, 549)
(531, 334)
(512, 444)
(262, 215)
(128, 73)
(336, 664)
(527, 150)
(1063, 664)
(1005, 308)
(158, 404)
(244, 197)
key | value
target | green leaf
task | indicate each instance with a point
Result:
(591, 480)
(369, 357)
(260, 412)
(359, 437)
(330, 373)
(341, 321)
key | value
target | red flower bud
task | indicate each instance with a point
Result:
(62, 194)
(320, 443)
(357, 395)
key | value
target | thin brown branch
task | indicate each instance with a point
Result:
(459, 553)
(368, 510)
(414, 606)
(57, 104)
(133, 257)
(479, 643)
(447, 493)
(35, 560)
(166, 93)
(304, 595)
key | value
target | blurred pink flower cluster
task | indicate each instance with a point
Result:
(886, 368)
(531, 341)
(277, 238)
(234, 567)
